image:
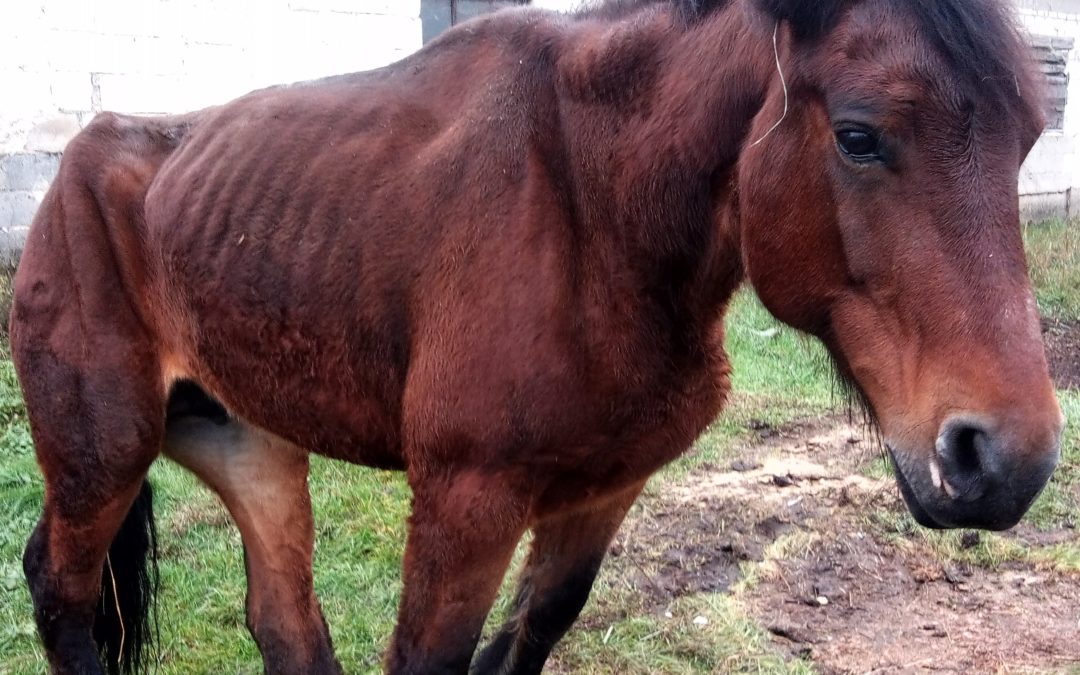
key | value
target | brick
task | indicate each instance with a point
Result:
(160, 94)
(12, 241)
(21, 18)
(25, 51)
(338, 44)
(139, 93)
(351, 43)
(71, 92)
(69, 14)
(225, 23)
(130, 18)
(154, 56)
(52, 135)
(24, 94)
(406, 8)
(17, 209)
(13, 132)
(82, 52)
(27, 171)
(212, 60)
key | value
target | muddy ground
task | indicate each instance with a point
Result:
(1062, 340)
(834, 581)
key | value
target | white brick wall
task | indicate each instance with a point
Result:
(63, 60)
(60, 58)
(1051, 176)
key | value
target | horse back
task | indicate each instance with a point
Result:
(393, 259)
(326, 249)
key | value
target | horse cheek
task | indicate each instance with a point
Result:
(793, 255)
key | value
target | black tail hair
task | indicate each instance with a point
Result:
(129, 583)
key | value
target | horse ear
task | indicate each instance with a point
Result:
(807, 18)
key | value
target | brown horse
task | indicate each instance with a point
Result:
(501, 265)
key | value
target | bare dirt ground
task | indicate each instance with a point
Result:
(831, 582)
(1062, 340)
(847, 598)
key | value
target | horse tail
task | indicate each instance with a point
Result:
(125, 625)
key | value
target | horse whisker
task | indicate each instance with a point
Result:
(783, 82)
(119, 614)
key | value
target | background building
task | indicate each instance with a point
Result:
(62, 61)
(1050, 180)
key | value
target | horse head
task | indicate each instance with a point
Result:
(879, 212)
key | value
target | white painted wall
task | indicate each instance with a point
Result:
(61, 61)
(560, 5)
(1050, 179)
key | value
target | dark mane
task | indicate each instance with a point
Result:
(980, 40)
(687, 10)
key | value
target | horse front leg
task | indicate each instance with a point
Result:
(462, 534)
(563, 562)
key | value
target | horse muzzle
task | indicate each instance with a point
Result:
(979, 475)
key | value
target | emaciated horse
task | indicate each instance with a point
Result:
(501, 266)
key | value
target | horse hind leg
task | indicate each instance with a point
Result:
(95, 440)
(95, 432)
(90, 376)
(262, 480)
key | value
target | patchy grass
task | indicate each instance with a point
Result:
(6, 292)
(793, 545)
(707, 633)
(1053, 250)
(360, 516)
(987, 550)
(1059, 504)
(779, 376)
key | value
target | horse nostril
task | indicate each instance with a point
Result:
(968, 459)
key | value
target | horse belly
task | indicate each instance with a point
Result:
(292, 356)
(282, 329)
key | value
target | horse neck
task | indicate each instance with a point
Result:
(655, 116)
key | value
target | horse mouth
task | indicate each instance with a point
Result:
(999, 507)
(918, 512)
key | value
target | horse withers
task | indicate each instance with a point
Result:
(501, 265)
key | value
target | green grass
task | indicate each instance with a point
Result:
(1053, 250)
(360, 516)
(779, 376)
(730, 642)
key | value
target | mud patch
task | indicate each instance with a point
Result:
(857, 605)
(1062, 340)
(850, 595)
(695, 535)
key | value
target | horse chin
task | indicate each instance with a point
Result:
(920, 514)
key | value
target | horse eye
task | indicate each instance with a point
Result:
(858, 144)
